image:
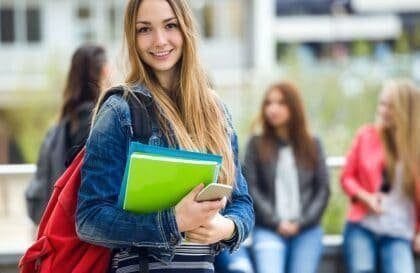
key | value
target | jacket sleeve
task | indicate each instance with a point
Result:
(349, 180)
(321, 194)
(240, 208)
(99, 220)
(264, 211)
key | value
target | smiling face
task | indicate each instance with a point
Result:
(159, 38)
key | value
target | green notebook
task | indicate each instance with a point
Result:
(156, 182)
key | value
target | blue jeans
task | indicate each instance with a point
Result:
(274, 253)
(367, 252)
(236, 262)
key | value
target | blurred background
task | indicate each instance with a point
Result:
(338, 51)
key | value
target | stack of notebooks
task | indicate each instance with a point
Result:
(157, 178)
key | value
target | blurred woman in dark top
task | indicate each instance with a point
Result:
(88, 75)
(288, 180)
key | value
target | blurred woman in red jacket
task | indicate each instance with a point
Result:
(381, 178)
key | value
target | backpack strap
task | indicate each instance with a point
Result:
(141, 111)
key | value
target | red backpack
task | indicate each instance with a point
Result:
(57, 248)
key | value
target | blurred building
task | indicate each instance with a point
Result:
(331, 26)
(37, 34)
(240, 38)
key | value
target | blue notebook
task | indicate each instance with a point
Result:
(137, 147)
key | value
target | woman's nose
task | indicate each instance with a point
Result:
(159, 38)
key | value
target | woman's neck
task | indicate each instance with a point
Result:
(282, 133)
(165, 82)
(166, 78)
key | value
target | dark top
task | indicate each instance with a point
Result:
(57, 146)
(313, 187)
(77, 133)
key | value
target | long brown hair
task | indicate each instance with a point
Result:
(299, 136)
(195, 112)
(402, 140)
(83, 80)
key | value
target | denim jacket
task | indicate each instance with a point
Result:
(100, 221)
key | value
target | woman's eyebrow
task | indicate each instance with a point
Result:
(148, 23)
(143, 22)
(169, 19)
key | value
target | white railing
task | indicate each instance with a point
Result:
(16, 230)
(16, 177)
(25, 169)
(17, 169)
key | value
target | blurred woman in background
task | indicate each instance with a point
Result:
(288, 180)
(381, 178)
(88, 75)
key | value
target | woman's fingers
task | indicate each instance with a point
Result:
(201, 231)
(214, 205)
(195, 238)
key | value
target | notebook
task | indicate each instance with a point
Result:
(157, 178)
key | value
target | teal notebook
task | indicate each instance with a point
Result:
(157, 178)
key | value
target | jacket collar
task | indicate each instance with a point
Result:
(141, 88)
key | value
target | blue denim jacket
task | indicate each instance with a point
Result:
(98, 218)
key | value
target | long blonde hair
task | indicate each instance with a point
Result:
(402, 140)
(194, 112)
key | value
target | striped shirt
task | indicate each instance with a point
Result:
(189, 258)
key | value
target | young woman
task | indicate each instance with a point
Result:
(164, 65)
(88, 75)
(381, 177)
(288, 180)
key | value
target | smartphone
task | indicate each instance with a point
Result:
(214, 191)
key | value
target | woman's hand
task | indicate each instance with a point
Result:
(288, 228)
(190, 214)
(372, 201)
(217, 229)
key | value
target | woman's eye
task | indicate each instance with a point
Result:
(143, 30)
(171, 25)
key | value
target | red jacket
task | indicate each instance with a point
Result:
(363, 170)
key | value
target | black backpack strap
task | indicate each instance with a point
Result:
(141, 111)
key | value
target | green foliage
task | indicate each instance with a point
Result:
(334, 215)
(416, 37)
(35, 110)
(28, 122)
(361, 48)
(402, 45)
